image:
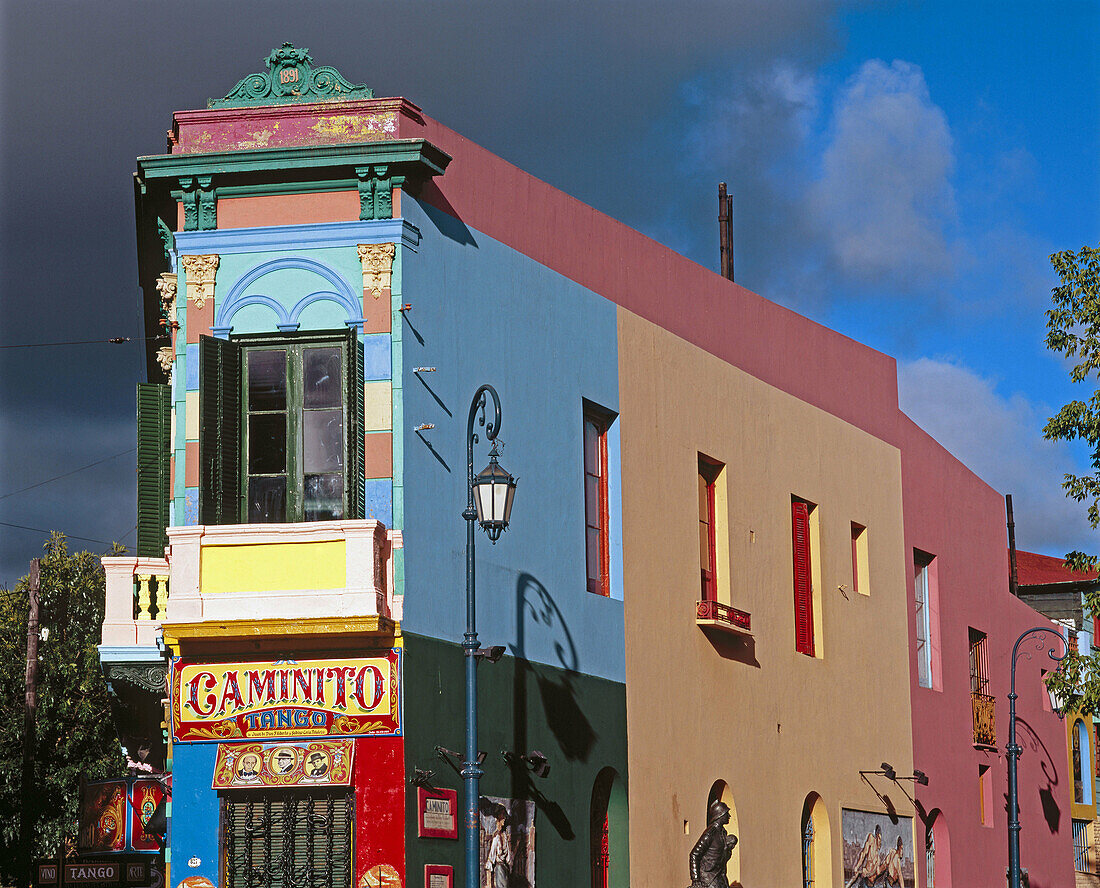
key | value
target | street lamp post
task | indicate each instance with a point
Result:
(489, 503)
(1013, 749)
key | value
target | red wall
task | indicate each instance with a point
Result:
(379, 781)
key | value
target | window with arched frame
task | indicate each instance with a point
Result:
(937, 848)
(816, 844)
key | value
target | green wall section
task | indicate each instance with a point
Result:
(578, 721)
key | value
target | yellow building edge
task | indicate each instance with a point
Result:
(334, 631)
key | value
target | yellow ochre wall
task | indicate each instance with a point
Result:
(272, 566)
(774, 724)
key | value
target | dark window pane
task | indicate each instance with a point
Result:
(267, 500)
(322, 376)
(323, 440)
(267, 380)
(591, 447)
(266, 443)
(592, 553)
(592, 500)
(324, 497)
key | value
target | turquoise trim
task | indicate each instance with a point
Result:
(397, 330)
(130, 653)
(298, 237)
(239, 297)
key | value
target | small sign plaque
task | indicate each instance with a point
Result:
(436, 875)
(437, 811)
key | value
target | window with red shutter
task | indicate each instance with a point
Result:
(803, 587)
(708, 559)
(597, 560)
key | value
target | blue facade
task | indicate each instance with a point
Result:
(484, 313)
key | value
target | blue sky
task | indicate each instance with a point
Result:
(901, 172)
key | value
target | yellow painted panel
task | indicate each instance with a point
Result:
(191, 419)
(273, 566)
(378, 406)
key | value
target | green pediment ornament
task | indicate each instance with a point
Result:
(291, 77)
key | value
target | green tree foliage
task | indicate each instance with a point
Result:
(1073, 330)
(74, 729)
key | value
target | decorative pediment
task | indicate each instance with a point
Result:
(291, 77)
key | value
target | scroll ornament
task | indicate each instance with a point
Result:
(200, 271)
(166, 286)
(377, 261)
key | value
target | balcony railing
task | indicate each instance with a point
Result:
(137, 599)
(716, 615)
(242, 572)
(985, 721)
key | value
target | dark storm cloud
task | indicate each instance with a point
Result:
(588, 97)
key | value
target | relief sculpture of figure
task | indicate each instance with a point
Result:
(712, 852)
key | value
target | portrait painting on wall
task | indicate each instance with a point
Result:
(507, 843)
(878, 852)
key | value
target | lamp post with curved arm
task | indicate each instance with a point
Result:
(1013, 749)
(489, 503)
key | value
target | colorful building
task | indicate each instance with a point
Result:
(707, 591)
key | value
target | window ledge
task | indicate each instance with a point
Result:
(715, 615)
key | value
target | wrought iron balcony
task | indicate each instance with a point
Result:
(714, 614)
(985, 721)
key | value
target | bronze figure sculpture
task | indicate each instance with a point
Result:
(712, 852)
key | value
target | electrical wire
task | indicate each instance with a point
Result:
(67, 474)
(71, 536)
(116, 340)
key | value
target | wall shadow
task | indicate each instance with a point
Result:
(739, 648)
(431, 392)
(564, 716)
(1052, 812)
(432, 450)
(449, 225)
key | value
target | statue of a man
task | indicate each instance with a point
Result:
(712, 852)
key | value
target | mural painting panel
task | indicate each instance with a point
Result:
(878, 852)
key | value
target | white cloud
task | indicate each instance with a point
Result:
(884, 202)
(1000, 440)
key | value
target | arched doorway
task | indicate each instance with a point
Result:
(720, 792)
(609, 832)
(816, 844)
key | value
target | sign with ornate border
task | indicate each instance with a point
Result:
(313, 763)
(145, 795)
(102, 817)
(436, 813)
(288, 698)
(438, 875)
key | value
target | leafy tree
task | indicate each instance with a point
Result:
(75, 734)
(1073, 330)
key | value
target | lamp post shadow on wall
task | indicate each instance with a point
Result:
(1013, 749)
(489, 503)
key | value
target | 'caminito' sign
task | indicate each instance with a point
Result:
(306, 698)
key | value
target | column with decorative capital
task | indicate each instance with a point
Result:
(377, 262)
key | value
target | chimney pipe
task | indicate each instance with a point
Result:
(725, 230)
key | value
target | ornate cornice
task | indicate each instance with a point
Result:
(377, 261)
(291, 77)
(165, 357)
(152, 678)
(200, 271)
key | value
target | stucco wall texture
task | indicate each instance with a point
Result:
(774, 724)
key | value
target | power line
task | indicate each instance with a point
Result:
(117, 340)
(71, 536)
(67, 474)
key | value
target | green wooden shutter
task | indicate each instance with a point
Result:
(219, 431)
(154, 489)
(356, 459)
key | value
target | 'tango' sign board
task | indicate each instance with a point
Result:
(304, 698)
